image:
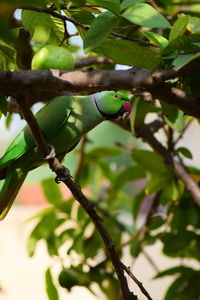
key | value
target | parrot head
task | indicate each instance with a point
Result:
(112, 104)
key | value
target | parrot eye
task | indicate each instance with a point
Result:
(116, 96)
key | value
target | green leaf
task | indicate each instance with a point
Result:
(138, 199)
(52, 191)
(105, 168)
(129, 174)
(3, 104)
(194, 24)
(145, 15)
(84, 17)
(140, 109)
(179, 27)
(182, 60)
(172, 191)
(185, 152)
(25, 2)
(129, 53)
(174, 270)
(183, 240)
(135, 246)
(66, 235)
(184, 43)
(9, 120)
(72, 276)
(44, 28)
(174, 117)
(156, 222)
(41, 231)
(112, 5)
(91, 245)
(99, 30)
(104, 152)
(7, 51)
(157, 183)
(151, 162)
(127, 3)
(184, 288)
(50, 287)
(156, 39)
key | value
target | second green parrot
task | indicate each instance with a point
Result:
(63, 122)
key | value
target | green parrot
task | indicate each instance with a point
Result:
(63, 122)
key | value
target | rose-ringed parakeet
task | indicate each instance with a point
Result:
(63, 122)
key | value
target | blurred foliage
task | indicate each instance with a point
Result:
(123, 178)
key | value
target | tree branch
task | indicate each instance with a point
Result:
(47, 82)
(63, 175)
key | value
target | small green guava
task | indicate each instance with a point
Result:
(52, 57)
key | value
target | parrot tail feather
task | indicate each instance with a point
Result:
(14, 180)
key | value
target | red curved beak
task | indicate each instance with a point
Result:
(127, 109)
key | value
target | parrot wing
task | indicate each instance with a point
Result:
(50, 119)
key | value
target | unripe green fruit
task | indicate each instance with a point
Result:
(52, 57)
(67, 280)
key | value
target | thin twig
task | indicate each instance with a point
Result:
(130, 38)
(150, 260)
(183, 131)
(139, 284)
(93, 61)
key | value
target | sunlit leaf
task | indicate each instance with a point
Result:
(174, 117)
(113, 5)
(52, 191)
(182, 60)
(126, 3)
(99, 30)
(194, 24)
(156, 39)
(145, 15)
(44, 28)
(129, 53)
(179, 27)
(184, 43)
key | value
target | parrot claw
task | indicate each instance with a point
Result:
(52, 153)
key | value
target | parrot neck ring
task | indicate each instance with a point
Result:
(123, 112)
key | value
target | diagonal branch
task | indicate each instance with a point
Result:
(146, 133)
(179, 170)
(63, 175)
